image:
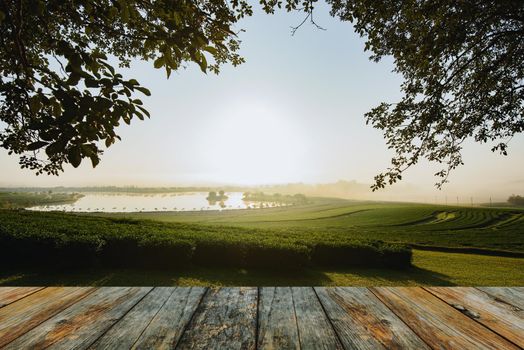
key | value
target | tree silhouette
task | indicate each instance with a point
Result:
(60, 93)
(463, 69)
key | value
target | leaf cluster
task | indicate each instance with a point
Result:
(60, 91)
(463, 69)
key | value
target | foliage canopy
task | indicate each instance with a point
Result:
(463, 69)
(59, 90)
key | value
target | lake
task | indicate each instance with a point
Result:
(137, 202)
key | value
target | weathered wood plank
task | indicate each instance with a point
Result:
(314, 329)
(27, 313)
(225, 319)
(364, 322)
(277, 324)
(9, 295)
(506, 320)
(511, 295)
(80, 325)
(167, 326)
(437, 323)
(124, 333)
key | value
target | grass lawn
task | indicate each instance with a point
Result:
(430, 268)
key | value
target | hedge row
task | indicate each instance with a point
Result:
(73, 241)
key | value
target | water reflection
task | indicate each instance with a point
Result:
(135, 202)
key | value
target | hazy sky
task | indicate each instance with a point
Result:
(292, 113)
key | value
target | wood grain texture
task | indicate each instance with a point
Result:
(437, 323)
(363, 322)
(314, 328)
(25, 314)
(166, 328)
(287, 318)
(128, 329)
(277, 324)
(506, 320)
(513, 296)
(80, 325)
(225, 319)
(9, 295)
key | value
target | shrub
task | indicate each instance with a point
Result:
(372, 254)
(120, 252)
(397, 256)
(343, 255)
(164, 253)
(220, 253)
(277, 256)
(64, 240)
(47, 250)
(80, 251)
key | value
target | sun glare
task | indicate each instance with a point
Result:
(254, 143)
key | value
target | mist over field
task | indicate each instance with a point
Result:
(403, 192)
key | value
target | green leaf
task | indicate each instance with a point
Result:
(55, 148)
(203, 64)
(159, 62)
(91, 83)
(36, 145)
(88, 150)
(143, 90)
(145, 111)
(211, 50)
(34, 104)
(178, 20)
(74, 157)
(95, 160)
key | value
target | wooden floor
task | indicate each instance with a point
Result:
(249, 318)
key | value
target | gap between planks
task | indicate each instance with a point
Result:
(309, 296)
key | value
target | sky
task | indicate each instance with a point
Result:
(294, 112)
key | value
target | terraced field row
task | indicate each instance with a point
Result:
(471, 218)
(335, 219)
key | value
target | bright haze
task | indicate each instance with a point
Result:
(294, 112)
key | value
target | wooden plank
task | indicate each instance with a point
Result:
(27, 313)
(167, 326)
(363, 322)
(225, 319)
(504, 319)
(314, 329)
(80, 325)
(437, 323)
(511, 295)
(128, 329)
(9, 295)
(277, 324)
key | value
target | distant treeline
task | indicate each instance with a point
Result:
(120, 189)
(516, 200)
(275, 197)
(66, 240)
(13, 200)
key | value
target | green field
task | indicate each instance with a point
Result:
(469, 245)
(421, 224)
